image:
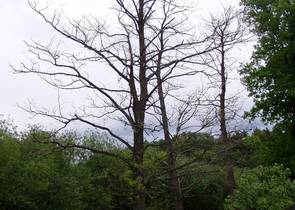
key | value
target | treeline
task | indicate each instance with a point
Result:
(37, 175)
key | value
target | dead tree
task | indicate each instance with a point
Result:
(123, 53)
(229, 33)
(146, 49)
(178, 53)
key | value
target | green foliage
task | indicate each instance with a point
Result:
(109, 183)
(263, 188)
(193, 144)
(204, 187)
(270, 77)
(37, 176)
(204, 180)
(157, 186)
(277, 146)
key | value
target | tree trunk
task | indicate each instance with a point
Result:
(139, 175)
(174, 179)
(228, 161)
(139, 111)
(140, 191)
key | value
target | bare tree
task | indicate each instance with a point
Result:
(229, 33)
(147, 49)
(182, 48)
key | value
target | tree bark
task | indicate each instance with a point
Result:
(229, 165)
(139, 175)
(139, 111)
(174, 179)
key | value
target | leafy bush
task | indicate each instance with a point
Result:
(263, 188)
(276, 146)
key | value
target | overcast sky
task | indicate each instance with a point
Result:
(19, 23)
